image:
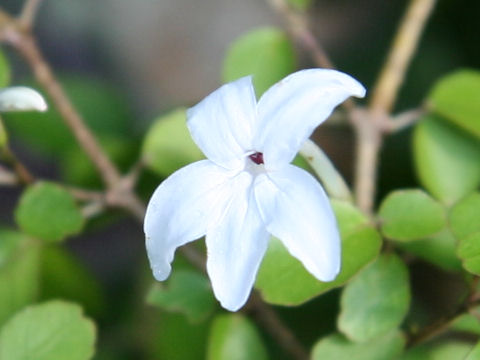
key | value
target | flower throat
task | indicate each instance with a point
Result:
(257, 158)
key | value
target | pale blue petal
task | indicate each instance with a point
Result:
(182, 208)
(290, 110)
(296, 210)
(222, 124)
(236, 247)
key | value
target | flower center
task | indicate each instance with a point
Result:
(257, 158)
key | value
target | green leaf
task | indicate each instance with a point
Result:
(466, 323)
(438, 250)
(102, 107)
(447, 159)
(456, 97)
(168, 145)
(4, 81)
(3, 135)
(54, 330)
(177, 338)
(5, 73)
(265, 53)
(466, 228)
(19, 272)
(376, 300)
(445, 350)
(283, 280)
(188, 292)
(48, 212)
(64, 276)
(410, 215)
(475, 353)
(469, 251)
(301, 5)
(234, 337)
(338, 347)
(464, 215)
(349, 218)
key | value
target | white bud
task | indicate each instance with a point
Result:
(21, 98)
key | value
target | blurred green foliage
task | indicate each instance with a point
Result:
(55, 330)
(264, 53)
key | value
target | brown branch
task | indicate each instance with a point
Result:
(29, 13)
(403, 120)
(123, 197)
(92, 209)
(298, 27)
(401, 53)
(7, 178)
(22, 173)
(131, 178)
(370, 127)
(273, 324)
(85, 195)
(16, 32)
(442, 325)
(25, 44)
(367, 146)
(119, 191)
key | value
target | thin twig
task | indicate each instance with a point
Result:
(7, 178)
(441, 325)
(23, 174)
(85, 195)
(131, 178)
(119, 192)
(299, 29)
(124, 198)
(25, 44)
(367, 146)
(29, 13)
(401, 53)
(403, 120)
(93, 209)
(16, 34)
(370, 127)
(275, 326)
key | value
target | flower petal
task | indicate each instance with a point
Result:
(296, 210)
(290, 110)
(21, 98)
(221, 124)
(182, 208)
(236, 247)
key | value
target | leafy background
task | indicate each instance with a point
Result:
(131, 68)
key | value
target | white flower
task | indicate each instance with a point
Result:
(246, 190)
(21, 98)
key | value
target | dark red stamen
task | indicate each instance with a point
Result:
(257, 158)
